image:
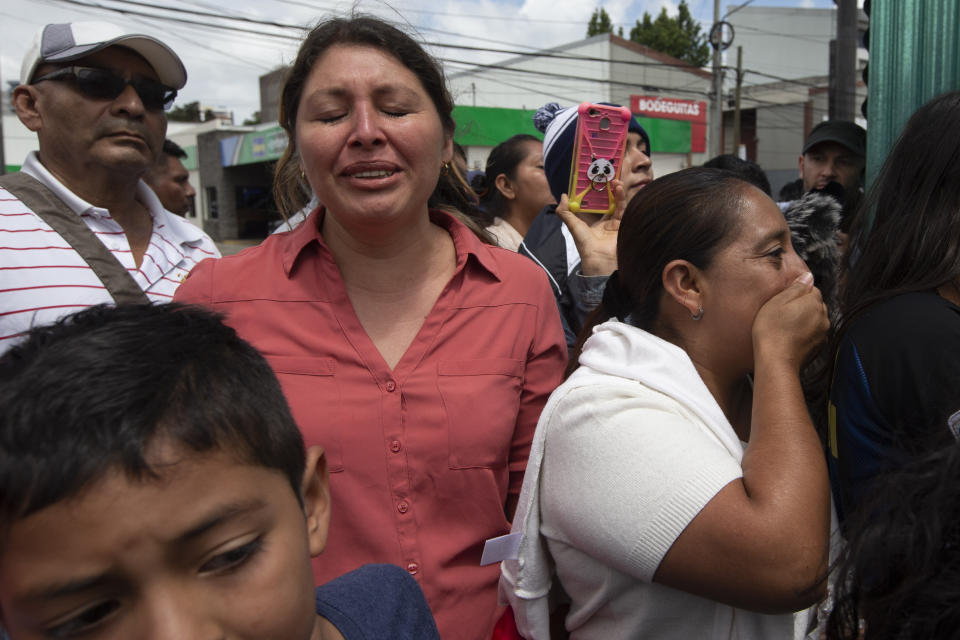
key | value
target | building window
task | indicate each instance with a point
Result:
(212, 208)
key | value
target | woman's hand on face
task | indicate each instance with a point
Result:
(596, 238)
(791, 324)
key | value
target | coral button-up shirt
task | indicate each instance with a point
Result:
(421, 457)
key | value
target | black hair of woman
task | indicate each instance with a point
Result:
(456, 197)
(358, 30)
(688, 215)
(899, 574)
(504, 158)
(912, 242)
(290, 190)
(744, 169)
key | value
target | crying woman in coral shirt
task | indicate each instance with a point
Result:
(416, 355)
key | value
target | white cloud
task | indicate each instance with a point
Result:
(224, 66)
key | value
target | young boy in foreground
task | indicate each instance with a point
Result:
(153, 484)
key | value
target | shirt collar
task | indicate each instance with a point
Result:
(465, 243)
(181, 230)
(34, 168)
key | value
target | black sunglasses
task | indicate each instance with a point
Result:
(102, 84)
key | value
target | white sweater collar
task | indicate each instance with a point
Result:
(622, 350)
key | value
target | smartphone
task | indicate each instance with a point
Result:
(597, 156)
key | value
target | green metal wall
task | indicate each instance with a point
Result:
(914, 56)
(489, 126)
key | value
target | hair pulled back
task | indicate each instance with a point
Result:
(289, 188)
(688, 215)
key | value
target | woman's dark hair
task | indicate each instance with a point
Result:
(900, 570)
(688, 215)
(744, 169)
(454, 196)
(289, 188)
(504, 159)
(96, 390)
(913, 241)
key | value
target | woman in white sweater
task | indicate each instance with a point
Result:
(671, 493)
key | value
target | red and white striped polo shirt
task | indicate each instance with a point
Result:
(42, 278)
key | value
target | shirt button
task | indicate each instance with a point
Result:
(402, 507)
(412, 568)
(395, 446)
(391, 386)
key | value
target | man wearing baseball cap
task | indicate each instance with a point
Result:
(78, 226)
(835, 151)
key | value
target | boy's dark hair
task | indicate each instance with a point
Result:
(93, 392)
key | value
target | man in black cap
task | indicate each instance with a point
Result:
(835, 151)
(78, 225)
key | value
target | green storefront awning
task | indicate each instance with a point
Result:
(264, 145)
(667, 136)
(475, 127)
(489, 126)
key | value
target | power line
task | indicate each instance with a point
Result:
(130, 12)
(301, 28)
(478, 16)
(474, 65)
(621, 83)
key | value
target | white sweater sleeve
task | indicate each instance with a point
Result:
(625, 470)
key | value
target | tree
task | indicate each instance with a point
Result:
(254, 119)
(189, 112)
(600, 23)
(679, 37)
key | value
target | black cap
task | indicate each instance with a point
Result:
(849, 134)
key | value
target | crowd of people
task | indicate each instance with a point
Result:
(434, 407)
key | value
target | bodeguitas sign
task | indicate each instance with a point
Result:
(692, 111)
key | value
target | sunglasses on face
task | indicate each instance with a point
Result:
(102, 84)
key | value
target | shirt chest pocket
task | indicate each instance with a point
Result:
(481, 399)
(314, 398)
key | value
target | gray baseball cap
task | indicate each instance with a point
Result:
(73, 40)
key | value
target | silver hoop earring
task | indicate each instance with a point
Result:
(698, 314)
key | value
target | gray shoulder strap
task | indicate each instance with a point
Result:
(114, 276)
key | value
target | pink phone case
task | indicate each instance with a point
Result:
(597, 156)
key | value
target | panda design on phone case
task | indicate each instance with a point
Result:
(601, 172)
(598, 154)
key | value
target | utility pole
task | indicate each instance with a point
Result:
(736, 112)
(3, 110)
(716, 130)
(843, 84)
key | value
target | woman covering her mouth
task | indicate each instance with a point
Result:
(417, 356)
(667, 493)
